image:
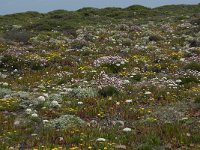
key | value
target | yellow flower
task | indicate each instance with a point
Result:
(73, 148)
(142, 109)
(89, 147)
(149, 111)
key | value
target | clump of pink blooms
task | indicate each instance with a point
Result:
(104, 80)
(109, 60)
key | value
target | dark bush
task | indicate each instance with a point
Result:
(196, 21)
(10, 62)
(88, 11)
(190, 79)
(113, 68)
(194, 43)
(17, 36)
(36, 66)
(70, 31)
(108, 91)
(155, 38)
(78, 44)
(197, 99)
(193, 66)
(137, 77)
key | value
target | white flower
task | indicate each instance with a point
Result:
(182, 59)
(3, 76)
(122, 62)
(17, 122)
(34, 115)
(15, 70)
(93, 71)
(147, 93)
(55, 103)
(34, 134)
(101, 140)
(126, 81)
(28, 111)
(184, 118)
(5, 84)
(117, 103)
(80, 103)
(127, 129)
(129, 100)
(68, 89)
(45, 121)
(178, 81)
(41, 98)
(45, 94)
(117, 64)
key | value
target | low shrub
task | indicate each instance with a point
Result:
(193, 66)
(108, 91)
(190, 79)
(197, 99)
(17, 36)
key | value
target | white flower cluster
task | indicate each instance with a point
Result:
(164, 82)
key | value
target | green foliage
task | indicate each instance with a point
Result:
(145, 147)
(136, 77)
(193, 66)
(190, 79)
(64, 122)
(155, 37)
(178, 9)
(17, 36)
(88, 11)
(197, 99)
(83, 92)
(11, 62)
(108, 91)
(4, 91)
(35, 66)
(113, 68)
(153, 139)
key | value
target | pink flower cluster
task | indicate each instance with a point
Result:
(109, 60)
(103, 80)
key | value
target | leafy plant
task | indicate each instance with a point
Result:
(17, 36)
(108, 91)
(193, 66)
